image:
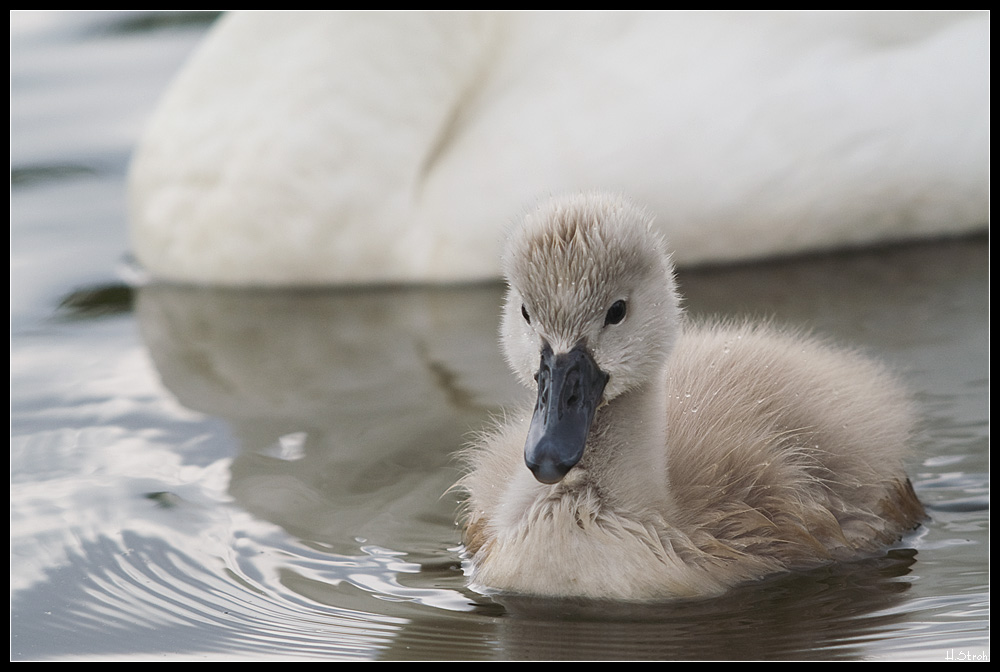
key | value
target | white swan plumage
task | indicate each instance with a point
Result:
(353, 147)
(667, 459)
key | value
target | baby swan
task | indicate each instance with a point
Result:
(665, 459)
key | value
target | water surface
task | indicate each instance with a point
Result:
(201, 473)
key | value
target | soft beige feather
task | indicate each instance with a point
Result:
(721, 453)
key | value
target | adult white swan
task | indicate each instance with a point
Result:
(304, 148)
(665, 459)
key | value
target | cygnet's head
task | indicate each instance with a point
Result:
(591, 312)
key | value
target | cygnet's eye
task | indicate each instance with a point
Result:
(524, 314)
(616, 313)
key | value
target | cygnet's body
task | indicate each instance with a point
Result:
(666, 459)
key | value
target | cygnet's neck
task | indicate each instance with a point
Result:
(626, 454)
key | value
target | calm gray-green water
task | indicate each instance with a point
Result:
(211, 474)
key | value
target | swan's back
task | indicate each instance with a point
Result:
(352, 147)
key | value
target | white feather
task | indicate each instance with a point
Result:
(306, 148)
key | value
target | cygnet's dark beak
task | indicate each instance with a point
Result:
(570, 387)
